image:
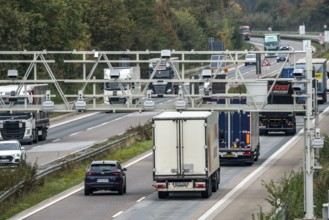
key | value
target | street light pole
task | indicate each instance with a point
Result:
(309, 151)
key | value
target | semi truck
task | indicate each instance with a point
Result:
(239, 140)
(320, 74)
(163, 70)
(28, 93)
(26, 127)
(281, 93)
(118, 92)
(245, 31)
(271, 43)
(185, 153)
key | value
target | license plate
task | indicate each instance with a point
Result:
(4, 160)
(102, 180)
(230, 155)
(180, 184)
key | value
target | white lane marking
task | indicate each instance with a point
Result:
(75, 119)
(74, 133)
(56, 140)
(244, 182)
(140, 199)
(116, 215)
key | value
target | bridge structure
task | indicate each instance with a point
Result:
(89, 93)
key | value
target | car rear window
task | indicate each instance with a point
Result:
(98, 167)
(9, 146)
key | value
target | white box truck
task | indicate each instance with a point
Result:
(185, 152)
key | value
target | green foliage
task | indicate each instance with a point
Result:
(289, 190)
(188, 31)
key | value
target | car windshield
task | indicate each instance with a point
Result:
(9, 146)
(99, 167)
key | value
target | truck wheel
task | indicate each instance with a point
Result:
(215, 182)
(35, 136)
(163, 195)
(257, 153)
(251, 162)
(206, 194)
(43, 135)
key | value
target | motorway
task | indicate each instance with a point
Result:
(239, 184)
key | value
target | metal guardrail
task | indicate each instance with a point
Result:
(55, 166)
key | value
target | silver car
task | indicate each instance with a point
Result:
(250, 59)
(11, 152)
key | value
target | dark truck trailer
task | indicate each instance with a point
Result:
(26, 127)
(238, 134)
(238, 137)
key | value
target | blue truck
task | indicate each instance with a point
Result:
(320, 74)
(239, 140)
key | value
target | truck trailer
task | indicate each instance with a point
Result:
(185, 153)
(239, 140)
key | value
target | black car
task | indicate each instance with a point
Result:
(282, 57)
(285, 47)
(105, 175)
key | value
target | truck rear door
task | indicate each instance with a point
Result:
(179, 147)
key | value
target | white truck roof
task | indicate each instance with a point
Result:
(183, 115)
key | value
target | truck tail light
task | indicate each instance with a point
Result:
(160, 186)
(247, 138)
(200, 185)
(290, 124)
(247, 153)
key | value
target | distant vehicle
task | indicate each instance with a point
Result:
(271, 43)
(245, 31)
(285, 47)
(163, 70)
(320, 71)
(250, 59)
(282, 57)
(10, 93)
(118, 92)
(105, 175)
(11, 152)
(280, 94)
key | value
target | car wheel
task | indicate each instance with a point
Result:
(88, 192)
(120, 190)
(125, 189)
